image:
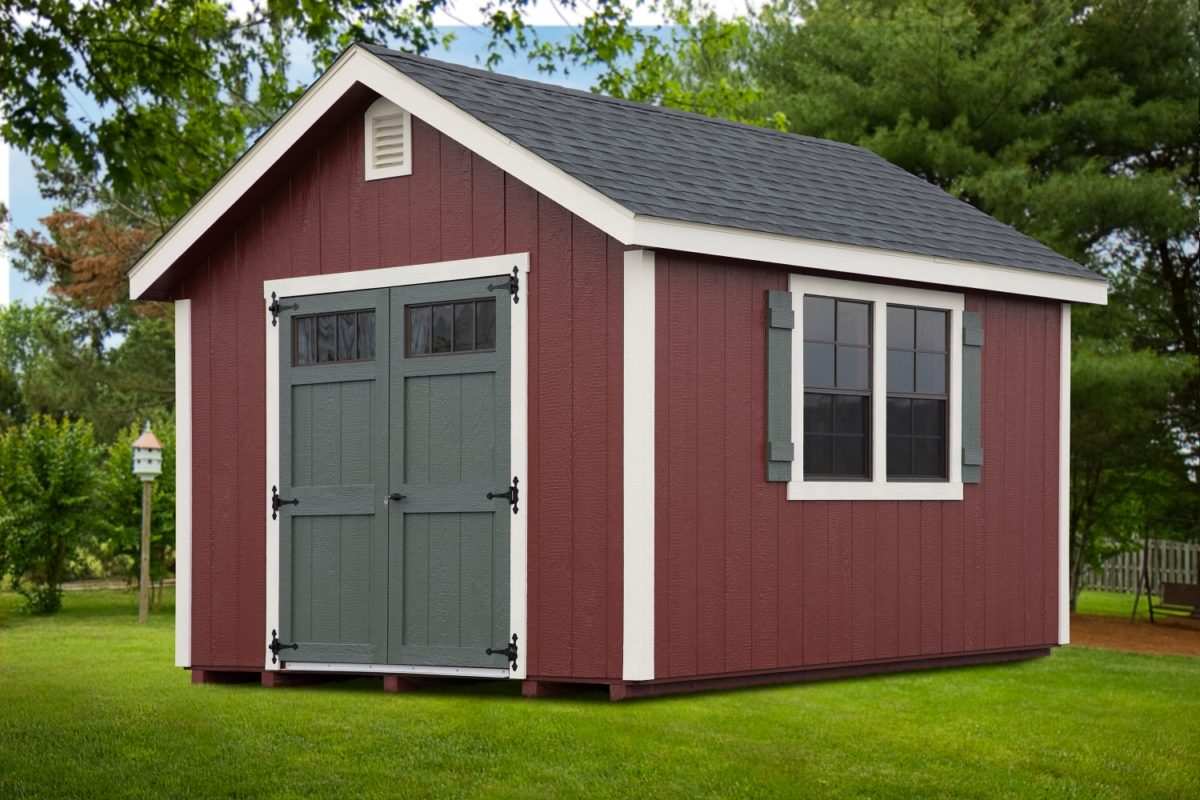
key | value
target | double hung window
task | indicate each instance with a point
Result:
(876, 386)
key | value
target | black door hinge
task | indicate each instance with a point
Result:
(275, 646)
(513, 285)
(277, 501)
(276, 307)
(509, 652)
(513, 495)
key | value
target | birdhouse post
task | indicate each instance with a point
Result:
(147, 465)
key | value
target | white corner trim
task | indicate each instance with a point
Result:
(519, 422)
(878, 488)
(183, 483)
(638, 466)
(357, 65)
(382, 109)
(1064, 476)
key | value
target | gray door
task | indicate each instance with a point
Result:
(333, 543)
(394, 429)
(449, 544)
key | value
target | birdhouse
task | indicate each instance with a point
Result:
(147, 455)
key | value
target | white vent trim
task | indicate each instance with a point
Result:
(387, 145)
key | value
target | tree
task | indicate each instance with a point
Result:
(47, 471)
(1128, 477)
(116, 537)
(173, 90)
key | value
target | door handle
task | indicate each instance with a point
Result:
(394, 496)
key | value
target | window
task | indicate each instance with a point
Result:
(837, 388)
(329, 338)
(875, 388)
(446, 328)
(918, 361)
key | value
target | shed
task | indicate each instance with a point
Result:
(484, 377)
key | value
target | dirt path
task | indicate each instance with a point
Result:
(1168, 636)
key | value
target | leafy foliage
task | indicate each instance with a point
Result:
(1127, 480)
(46, 480)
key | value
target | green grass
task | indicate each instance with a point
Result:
(1110, 604)
(90, 705)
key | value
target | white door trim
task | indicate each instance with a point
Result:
(519, 451)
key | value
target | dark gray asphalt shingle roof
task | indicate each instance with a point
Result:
(680, 166)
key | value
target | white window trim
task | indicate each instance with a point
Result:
(385, 108)
(878, 488)
(519, 422)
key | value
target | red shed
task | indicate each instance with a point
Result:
(484, 377)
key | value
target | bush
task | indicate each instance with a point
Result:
(47, 473)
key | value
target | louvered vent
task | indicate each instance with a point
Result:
(388, 131)
(388, 142)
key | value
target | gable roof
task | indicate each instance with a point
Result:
(660, 178)
(682, 166)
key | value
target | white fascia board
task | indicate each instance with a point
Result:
(1064, 476)
(183, 483)
(638, 467)
(863, 261)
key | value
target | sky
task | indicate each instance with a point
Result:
(26, 205)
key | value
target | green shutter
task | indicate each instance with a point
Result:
(972, 397)
(780, 321)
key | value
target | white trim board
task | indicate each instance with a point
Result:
(638, 466)
(1064, 476)
(519, 451)
(183, 483)
(393, 669)
(357, 65)
(878, 488)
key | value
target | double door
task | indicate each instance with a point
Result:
(394, 431)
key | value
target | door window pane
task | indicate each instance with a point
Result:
(305, 335)
(464, 327)
(331, 338)
(467, 326)
(347, 337)
(327, 337)
(420, 331)
(366, 335)
(485, 324)
(443, 328)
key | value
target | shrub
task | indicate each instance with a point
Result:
(47, 473)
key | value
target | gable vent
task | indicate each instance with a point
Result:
(388, 146)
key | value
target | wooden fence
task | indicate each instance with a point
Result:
(1170, 561)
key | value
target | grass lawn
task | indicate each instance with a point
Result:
(90, 705)
(1111, 604)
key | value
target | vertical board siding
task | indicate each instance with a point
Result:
(323, 217)
(780, 584)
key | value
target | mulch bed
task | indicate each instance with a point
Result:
(1178, 636)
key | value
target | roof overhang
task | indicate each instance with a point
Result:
(359, 66)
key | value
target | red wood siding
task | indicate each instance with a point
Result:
(748, 580)
(324, 218)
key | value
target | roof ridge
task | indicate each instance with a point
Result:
(635, 105)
